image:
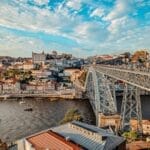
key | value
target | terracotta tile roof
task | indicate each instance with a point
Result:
(11, 81)
(51, 141)
(28, 63)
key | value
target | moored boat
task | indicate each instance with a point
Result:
(28, 109)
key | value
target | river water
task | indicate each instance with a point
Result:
(15, 123)
(145, 106)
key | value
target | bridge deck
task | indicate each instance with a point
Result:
(135, 78)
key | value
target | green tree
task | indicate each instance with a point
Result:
(130, 136)
(72, 114)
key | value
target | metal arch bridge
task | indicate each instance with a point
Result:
(100, 89)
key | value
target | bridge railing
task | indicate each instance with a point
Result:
(129, 67)
(136, 78)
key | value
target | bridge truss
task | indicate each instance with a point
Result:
(99, 93)
(100, 88)
(131, 107)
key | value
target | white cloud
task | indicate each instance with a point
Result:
(36, 19)
(122, 7)
(89, 34)
(41, 2)
(19, 46)
(74, 4)
(118, 17)
(98, 12)
(142, 3)
(116, 31)
(127, 40)
(121, 24)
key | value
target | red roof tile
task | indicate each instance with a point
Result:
(51, 141)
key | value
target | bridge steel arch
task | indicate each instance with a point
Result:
(99, 94)
(102, 97)
(131, 103)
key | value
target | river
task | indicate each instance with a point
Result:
(15, 123)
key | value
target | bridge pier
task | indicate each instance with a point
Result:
(109, 121)
(131, 108)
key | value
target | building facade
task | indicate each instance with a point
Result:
(38, 58)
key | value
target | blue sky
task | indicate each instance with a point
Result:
(80, 27)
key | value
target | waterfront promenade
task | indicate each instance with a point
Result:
(64, 94)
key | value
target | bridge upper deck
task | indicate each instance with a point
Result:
(136, 78)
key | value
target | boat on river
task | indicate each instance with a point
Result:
(28, 109)
(22, 102)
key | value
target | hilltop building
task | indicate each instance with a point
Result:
(38, 58)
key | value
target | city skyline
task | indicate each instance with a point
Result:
(80, 27)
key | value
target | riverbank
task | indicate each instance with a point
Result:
(63, 94)
(42, 98)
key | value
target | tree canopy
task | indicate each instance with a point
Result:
(72, 114)
(140, 56)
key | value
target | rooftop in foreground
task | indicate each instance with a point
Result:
(51, 140)
(72, 136)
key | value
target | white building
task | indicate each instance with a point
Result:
(11, 86)
(38, 58)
